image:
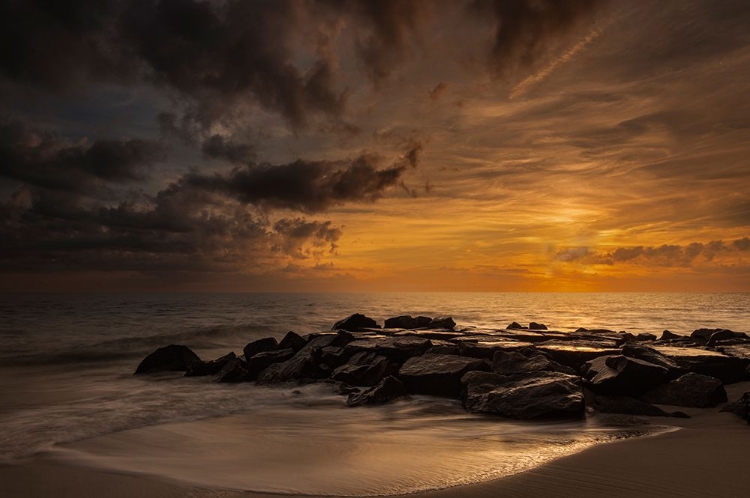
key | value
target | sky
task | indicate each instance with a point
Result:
(363, 145)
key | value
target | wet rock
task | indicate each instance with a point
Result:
(440, 335)
(622, 375)
(260, 361)
(401, 322)
(741, 407)
(209, 367)
(333, 356)
(630, 406)
(537, 326)
(728, 369)
(397, 348)
(515, 326)
(356, 322)
(724, 336)
(575, 353)
(259, 346)
(487, 349)
(525, 362)
(538, 396)
(387, 390)
(443, 322)
(443, 349)
(305, 364)
(669, 336)
(364, 369)
(293, 341)
(651, 355)
(691, 390)
(438, 374)
(645, 336)
(234, 370)
(174, 357)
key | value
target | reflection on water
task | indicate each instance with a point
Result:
(314, 445)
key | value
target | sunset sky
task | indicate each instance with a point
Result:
(390, 145)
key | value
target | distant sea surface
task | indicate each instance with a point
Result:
(67, 389)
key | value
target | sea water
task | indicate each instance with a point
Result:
(67, 389)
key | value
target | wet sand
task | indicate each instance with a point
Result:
(706, 457)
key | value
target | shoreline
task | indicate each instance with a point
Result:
(703, 458)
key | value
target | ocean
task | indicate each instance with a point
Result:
(67, 390)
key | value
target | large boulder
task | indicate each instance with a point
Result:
(515, 326)
(364, 369)
(691, 390)
(537, 326)
(259, 346)
(651, 355)
(305, 364)
(260, 361)
(524, 362)
(174, 357)
(443, 322)
(355, 322)
(487, 349)
(666, 335)
(541, 395)
(622, 375)
(401, 322)
(293, 341)
(574, 353)
(741, 407)
(397, 348)
(235, 370)
(209, 367)
(728, 369)
(438, 374)
(387, 390)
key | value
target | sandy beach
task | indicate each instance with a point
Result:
(703, 458)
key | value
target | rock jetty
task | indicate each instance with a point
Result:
(520, 372)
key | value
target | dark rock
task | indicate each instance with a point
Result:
(397, 348)
(305, 364)
(702, 335)
(440, 335)
(669, 336)
(577, 352)
(438, 374)
(645, 336)
(741, 407)
(364, 369)
(728, 369)
(356, 322)
(333, 356)
(401, 322)
(692, 390)
(423, 321)
(628, 406)
(293, 341)
(627, 337)
(622, 375)
(259, 346)
(387, 390)
(653, 356)
(443, 349)
(515, 326)
(723, 335)
(209, 367)
(512, 362)
(169, 358)
(539, 395)
(443, 322)
(537, 326)
(234, 370)
(487, 349)
(260, 361)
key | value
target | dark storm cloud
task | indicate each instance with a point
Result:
(43, 159)
(210, 53)
(527, 29)
(179, 229)
(308, 186)
(218, 147)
